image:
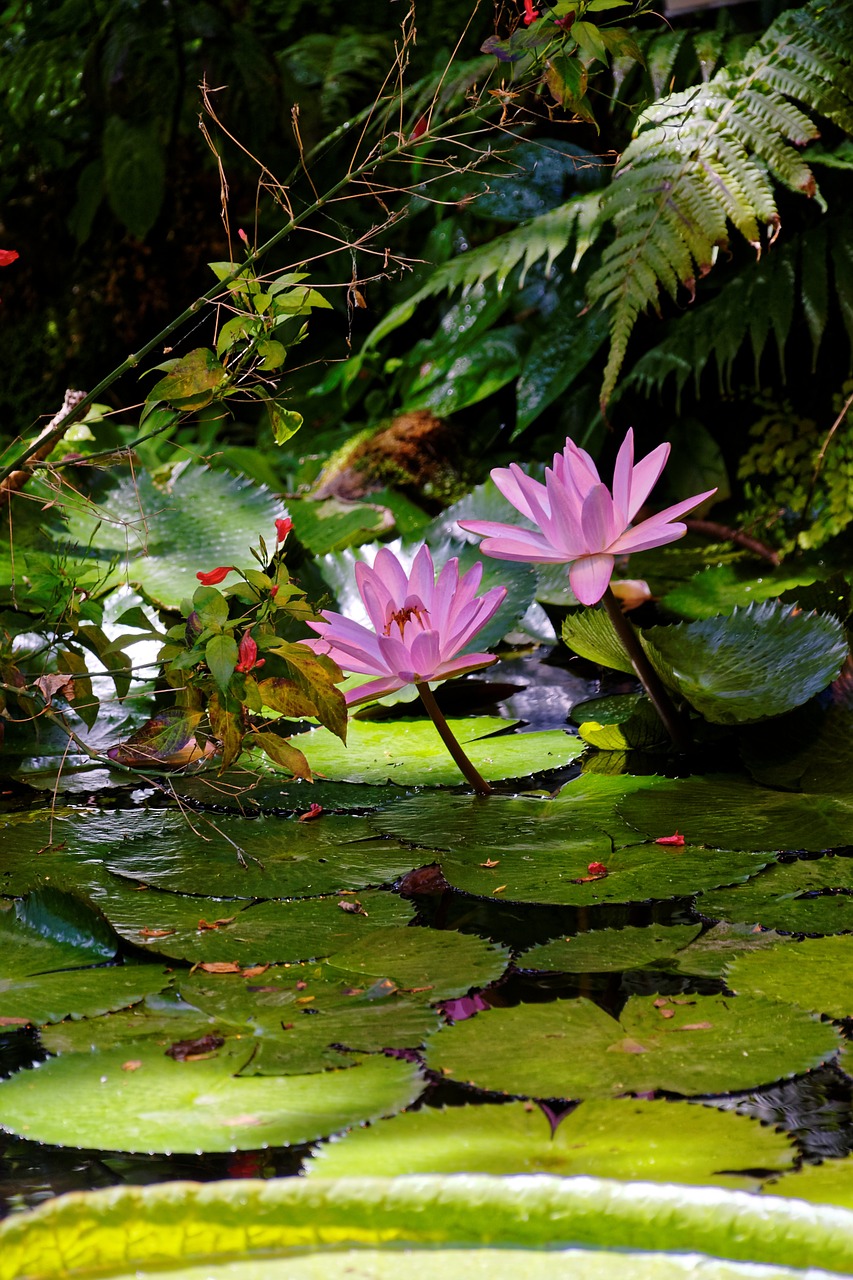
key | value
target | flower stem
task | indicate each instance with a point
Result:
(673, 722)
(459, 757)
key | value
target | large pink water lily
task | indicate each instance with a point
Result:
(580, 522)
(419, 624)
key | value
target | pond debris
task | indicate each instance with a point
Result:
(676, 839)
(313, 811)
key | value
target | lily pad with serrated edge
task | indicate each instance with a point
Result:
(830, 1182)
(813, 896)
(815, 974)
(78, 993)
(543, 850)
(442, 962)
(410, 752)
(32, 942)
(720, 588)
(136, 1098)
(708, 955)
(161, 537)
(688, 1045)
(613, 1138)
(262, 789)
(171, 924)
(729, 813)
(609, 950)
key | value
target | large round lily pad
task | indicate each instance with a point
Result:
(609, 950)
(412, 753)
(690, 1045)
(707, 956)
(797, 897)
(828, 1183)
(79, 993)
(631, 1139)
(816, 974)
(136, 1098)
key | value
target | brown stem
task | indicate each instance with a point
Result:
(53, 432)
(724, 532)
(651, 681)
(459, 757)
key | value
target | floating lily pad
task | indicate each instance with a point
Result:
(136, 1098)
(828, 1183)
(265, 790)
(609, 950)
(161, 537)
(410, 752)
(709, 954)
(796, 897)
(443, 963)
(213, 930)
(79, 993)
(37, 935)
(812, 751)
(816, 974)
(719, 589)
(553, 850)
(631, 1139)
(690, 1045)
(730, 813)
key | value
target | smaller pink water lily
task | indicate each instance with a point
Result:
(580, 522)
(420, 624)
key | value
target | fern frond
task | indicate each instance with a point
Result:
(543, 237)
(707, 157)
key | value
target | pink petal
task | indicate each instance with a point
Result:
(511, 542)
(467, 662)
(472, 620)
(391, 574)
(622, 473)
(373, 689)
(346, 661)
(526, 494)
(600, 525)
(589, 576)
(397, 657)
(658, 530)
(422, 577)
(645, 477)
(426, 654)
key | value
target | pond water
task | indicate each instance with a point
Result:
(527, 982)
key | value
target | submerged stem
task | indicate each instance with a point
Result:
(460, 759)
(651, 681)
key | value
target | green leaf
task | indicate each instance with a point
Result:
(77, 993)
(609, 950)
(689, 1045)
(284, 422)
(191, 383)
(264, 1227)
(50, 929)
(221, 655)
(815, 974)
(83, 699)
(316, 675)
(590, 41)
(134, 173)
(440, 964)
(558, 356)
(457, 381)
(719, 589)
(799, 897)
(709, 955)
(828, 1183)
(630, 1139)
(282, 753)
(333, 524)
(589, 633)
(415, 754)
(159, 1104)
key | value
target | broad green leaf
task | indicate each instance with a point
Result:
(191, 383)
(816, 974)
(282, 753)
(68, 921)
(332, 525)
(284, 421)
(179, 535)
(799, 897)
(811, 750)
(221, 656)
(442, 964)
(413, 753)
(709, 955)
(630, 1139)
(134, 173)
(281, 1230)
(589, 634)
(560, 353)
(830, 1182)
(609, 950)
(544, 850)
(719, 589)
(689, 1045)
(77, 993)
(449, 385)
(726, 811)
(136, 1098)
(759, 662)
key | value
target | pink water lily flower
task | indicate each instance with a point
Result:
(580, 522)
(420, 624)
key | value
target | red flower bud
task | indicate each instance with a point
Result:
(215, 576)
(7, 257)
(530, 14)
(274, 591)
(247, 652)
(282, 528)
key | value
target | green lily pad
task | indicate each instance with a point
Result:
(815, 974)
(552, 850)
(630, 1139)
(211, 930)
(719, 589)
(79, 993)
(37, 935)
(709, 954)
(811, 751)
(266, 790)
(796, 897)
(828, 1183)
(689, 1045)
(317, 1229)
(136, 1098)
(609, 950)
(331, 524)
(728, 812)
(444, 963)
(161, 537)
(410, 752)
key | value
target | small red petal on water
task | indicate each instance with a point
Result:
(597, 869)
(674, 839)
(215, 576)
(8, 256)
(311, 813)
